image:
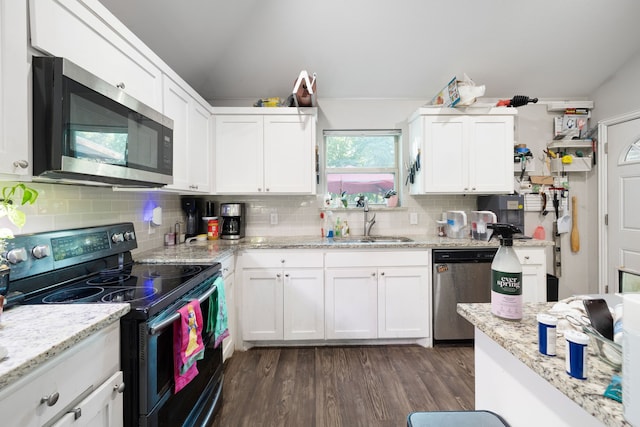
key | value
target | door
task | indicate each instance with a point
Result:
(403, 302)
(239, 154)
(351, 303)
(623, 198)
(289, 154)
(262, 304)
(303, 304)
(15, 147)
(446, 164)
(490, 152)
(464, 282)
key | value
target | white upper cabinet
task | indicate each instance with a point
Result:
(463, 152)
(192, 139)
(15, 147)
(265, 150)
(88, 35)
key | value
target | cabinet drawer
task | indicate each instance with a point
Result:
(264, 258)
(531, 256)
(71, 374)
(376, 259)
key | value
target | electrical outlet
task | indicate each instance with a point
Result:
(413, 218)
(274, 218)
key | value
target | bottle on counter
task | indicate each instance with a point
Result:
(345, 228)
(506, 275)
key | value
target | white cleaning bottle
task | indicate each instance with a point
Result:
(506, 275)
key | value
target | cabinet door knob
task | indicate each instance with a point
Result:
(278, 275)
(526, 257)
(373, 274)
(266, 189)
(120, 85)
(23, 164)
(259, 189)
(286, 275)
(382, 274)
(282, 261)
(119, 388)
(51, 400)
(77, 413)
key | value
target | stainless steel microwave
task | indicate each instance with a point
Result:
(88, 131)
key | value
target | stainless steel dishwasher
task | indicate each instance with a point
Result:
(459, 275)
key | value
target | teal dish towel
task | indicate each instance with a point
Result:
(218, 321)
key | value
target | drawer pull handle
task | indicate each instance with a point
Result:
(23, 164)
(77, 413)
(119, 388)
(51, 400)
(526, 257)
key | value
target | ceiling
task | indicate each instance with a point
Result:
(387, 49)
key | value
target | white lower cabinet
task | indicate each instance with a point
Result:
(382, 302)
(229, 276)
(534, 273)
(102, 408)
(404, 304)
(81, 386)
(351, 303)
(282, 295)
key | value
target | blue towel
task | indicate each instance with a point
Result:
(218, 322)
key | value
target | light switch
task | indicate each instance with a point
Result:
(413, 218)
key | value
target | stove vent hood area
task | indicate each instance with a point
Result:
(86, 131)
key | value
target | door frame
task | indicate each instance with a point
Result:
(603, 180)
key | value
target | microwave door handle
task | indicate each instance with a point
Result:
(163, 324)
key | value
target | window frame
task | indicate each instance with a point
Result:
(396, 170)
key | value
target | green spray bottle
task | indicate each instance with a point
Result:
(506, 275)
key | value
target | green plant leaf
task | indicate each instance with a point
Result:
(17, 217)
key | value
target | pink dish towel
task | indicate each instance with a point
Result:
(187, 344)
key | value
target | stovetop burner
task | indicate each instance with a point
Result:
(66, 296)
(129, 294)
(109, 279)
(154, 271)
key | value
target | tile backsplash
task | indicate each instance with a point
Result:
(62, 206)
(300, 215)
(69, 206)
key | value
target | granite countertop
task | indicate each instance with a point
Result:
(214, 250)
(33, 334)
(521, 340)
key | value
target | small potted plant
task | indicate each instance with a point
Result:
(10, 200)
(391, 197)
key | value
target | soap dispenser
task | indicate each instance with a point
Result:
(506, 275)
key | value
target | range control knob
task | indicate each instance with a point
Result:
(117, 238)
(129, 235)
(41, 251)
(17, 255)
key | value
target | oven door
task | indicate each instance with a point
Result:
(158, 403)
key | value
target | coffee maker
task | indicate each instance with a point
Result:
(193, 208)
(233, 217)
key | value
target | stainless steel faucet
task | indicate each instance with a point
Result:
(368, 223)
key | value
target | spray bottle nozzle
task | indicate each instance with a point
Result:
(505, 231)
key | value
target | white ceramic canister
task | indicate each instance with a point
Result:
(630, 355)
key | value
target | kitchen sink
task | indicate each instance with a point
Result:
(376, 239)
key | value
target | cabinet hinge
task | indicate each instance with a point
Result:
(606, 289)
(606, 148)
(606, 219)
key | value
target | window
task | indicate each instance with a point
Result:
(633, 153)
(361, 163)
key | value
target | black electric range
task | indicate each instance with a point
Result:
(94, 265)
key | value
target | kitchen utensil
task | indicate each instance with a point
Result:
(575, 236)
(564, 223)
(516, 101)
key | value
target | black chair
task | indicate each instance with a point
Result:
(455, 419)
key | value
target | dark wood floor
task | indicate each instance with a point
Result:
(344, 386)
